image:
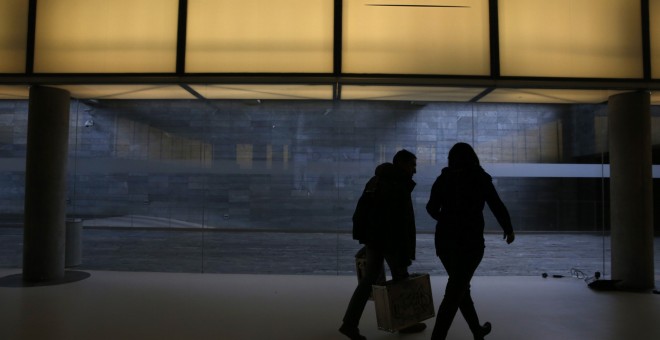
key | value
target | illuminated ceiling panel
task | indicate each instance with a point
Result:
(654, 10)
(568, 38)
(127, 91)
(13, 35)
(100, 36)
(286, 36)
(548, 96)
(304, 92)
(14, 92)
(448, 37)
(409, 93)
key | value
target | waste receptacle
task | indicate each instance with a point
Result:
(73, 245)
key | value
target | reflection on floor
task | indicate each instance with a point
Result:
(167, 306)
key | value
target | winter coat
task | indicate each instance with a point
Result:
(457, 201)
(384, 217)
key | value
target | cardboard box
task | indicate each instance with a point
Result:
(403, 303)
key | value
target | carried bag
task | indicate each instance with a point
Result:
(403, 303)
(361, 267)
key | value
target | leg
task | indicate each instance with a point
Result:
(470, 315)
(399, 269)
(361, 294)
(472, 260)
(460, 266)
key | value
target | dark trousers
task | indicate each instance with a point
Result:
(373, 268)
(460, 266)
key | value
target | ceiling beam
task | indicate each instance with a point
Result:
(331, 79)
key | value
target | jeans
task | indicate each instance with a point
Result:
(375, 260)
(460, 266)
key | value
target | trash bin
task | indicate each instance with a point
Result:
(73, 245)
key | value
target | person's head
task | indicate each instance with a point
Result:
(462, 155)
(406, 160)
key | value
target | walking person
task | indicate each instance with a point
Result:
(384, 221)
(457, 200)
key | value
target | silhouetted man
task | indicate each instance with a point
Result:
(384, 221)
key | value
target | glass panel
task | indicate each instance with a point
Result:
(127, 91)
(13, 147)
(548, 96)
(655, 98)
(13, 35)
(99, 36)
(260, 36)
(654, 19)
(569, 38)
(234, 187)
(420, 37)
(236, 91)
(14, 92)
(450, 94)
(138, 182)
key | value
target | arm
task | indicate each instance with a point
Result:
(500, 211)
(434, 204)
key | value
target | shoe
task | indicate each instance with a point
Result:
(352, 333)
(483, 331)
(416, 328)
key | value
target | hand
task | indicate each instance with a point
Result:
(509, 237)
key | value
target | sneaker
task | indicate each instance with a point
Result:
(352, 333)
(484, 330)
(416, 328)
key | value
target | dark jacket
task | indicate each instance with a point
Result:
(457, 201)
(384, 216)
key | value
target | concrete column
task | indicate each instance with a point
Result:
(631, 190)
(45, 185)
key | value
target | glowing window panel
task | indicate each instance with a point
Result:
(409, 93)
(13, 35)
(287, 36)
(265, 91)
(14, 92)
(654, 19)
(416, 37)
(127, 92)
(571, 38)
(548, 96)
(101, 36)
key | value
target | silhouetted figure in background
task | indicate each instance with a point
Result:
(384, 221)
(457, 201)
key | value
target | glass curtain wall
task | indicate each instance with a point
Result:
(269, 187)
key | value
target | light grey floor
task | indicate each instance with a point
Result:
(166, 306)
(274, 285)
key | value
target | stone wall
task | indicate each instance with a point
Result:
(301, 165)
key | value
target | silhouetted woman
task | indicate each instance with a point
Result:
(457, 201)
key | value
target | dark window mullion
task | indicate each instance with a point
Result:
(646, 40)
(182, 26)
(31, 33)
(337, 48)
(493, 24)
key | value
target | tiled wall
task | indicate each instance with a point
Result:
(301, 165)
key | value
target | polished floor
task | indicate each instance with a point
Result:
(166, 306)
